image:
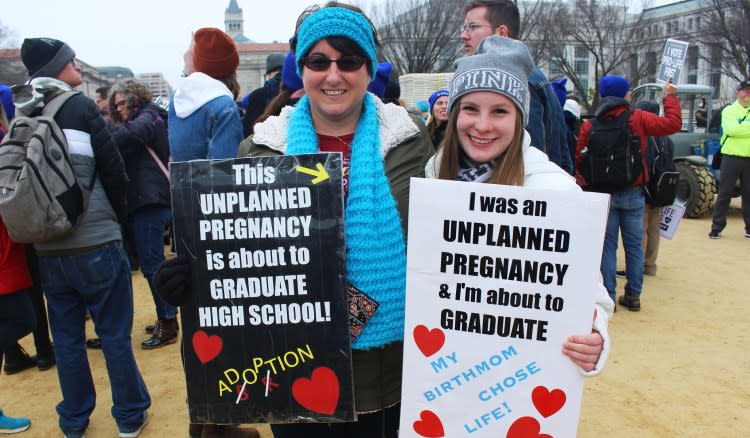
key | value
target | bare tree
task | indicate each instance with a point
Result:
(537, 30)
(419, 36)
(726, 29)
(602, 31)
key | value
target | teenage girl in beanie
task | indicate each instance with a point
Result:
(486, 142)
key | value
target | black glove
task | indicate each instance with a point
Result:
(171, 280)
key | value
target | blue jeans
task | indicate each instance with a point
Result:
(149, 224)
(99, 281)
(626, 214)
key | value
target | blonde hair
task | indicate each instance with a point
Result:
(509, 169)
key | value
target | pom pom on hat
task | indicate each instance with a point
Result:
(616, 86)
(214, 53)
(45, 57)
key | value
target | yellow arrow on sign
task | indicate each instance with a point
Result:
(320, 174)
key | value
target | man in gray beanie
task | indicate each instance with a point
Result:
(87, 269)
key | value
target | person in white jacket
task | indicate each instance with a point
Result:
(485, 141)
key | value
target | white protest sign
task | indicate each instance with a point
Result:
(498, 277)
(672, 60)
(669, 218)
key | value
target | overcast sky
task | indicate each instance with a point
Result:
(147, 35)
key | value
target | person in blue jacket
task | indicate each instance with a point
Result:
(204, 121)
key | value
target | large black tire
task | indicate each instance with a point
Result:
(695, 189)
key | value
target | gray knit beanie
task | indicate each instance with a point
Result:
(499, 64)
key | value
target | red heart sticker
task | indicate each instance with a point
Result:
(206, 347)
(526, 427)
(547, 402)
(319, 393)
(428, 341)
(429, 425)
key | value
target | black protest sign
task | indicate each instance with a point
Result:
(672, 60)
(265, 326)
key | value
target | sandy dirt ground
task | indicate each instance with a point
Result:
(680, 367)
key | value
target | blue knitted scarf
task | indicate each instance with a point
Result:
(375, 249)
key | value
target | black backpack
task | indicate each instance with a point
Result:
(661, 189)
(612, 158)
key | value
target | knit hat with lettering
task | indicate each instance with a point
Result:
(214, 53)
(45, 57)
(500, 65)
(336, 21)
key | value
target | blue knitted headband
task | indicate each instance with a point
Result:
(341, 22)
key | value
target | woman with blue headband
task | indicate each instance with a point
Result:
(382, 147)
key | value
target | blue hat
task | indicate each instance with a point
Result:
(289, 75)
(435, 96)
(378, 84)
(611, 85)
(6, 97)
(422, 105)
(341, 22)
(560, 90)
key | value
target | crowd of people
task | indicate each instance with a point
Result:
(330, 93)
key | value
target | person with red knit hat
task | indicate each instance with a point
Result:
(204, 121)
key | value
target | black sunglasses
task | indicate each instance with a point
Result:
(344, 63)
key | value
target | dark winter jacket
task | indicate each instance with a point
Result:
(148, 184)
(546, 121)
(642, 123)
(258, 101)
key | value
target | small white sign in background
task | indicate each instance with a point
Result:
(669, 218)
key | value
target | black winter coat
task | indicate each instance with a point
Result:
(148, 184)
(81, 113)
